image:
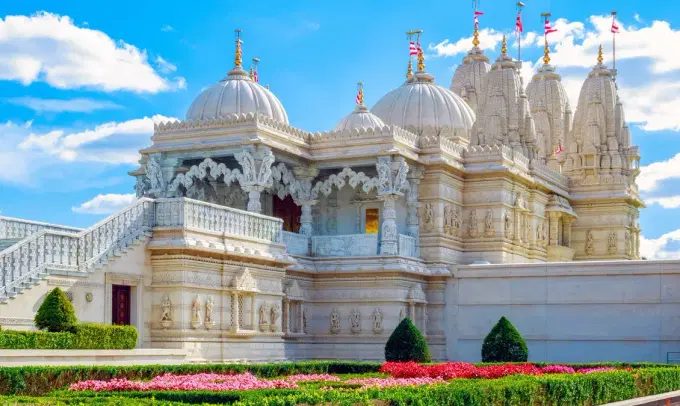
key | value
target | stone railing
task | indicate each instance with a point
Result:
(28, 260)
(189, 213)
(18, 228)
(407, 246)
(353, 245)
(296, 244)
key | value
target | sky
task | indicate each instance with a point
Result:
(82, 83)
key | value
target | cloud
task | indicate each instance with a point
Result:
(658, 248)
(488, 40)
(669, 202)
(167, 28)
(50, 48)
(165, 66)
(113, 142)
(653, 174)
(105, 204)
(78, 105)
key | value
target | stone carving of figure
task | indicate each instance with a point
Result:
(611, 245)
(384, 177)
(628, 242)
(166, 315)
(488, 224)
(196, 312)
(377, 321)
(426, 318)
(335, 321)
(209, 309)
(546, 236)
(448, 218)
(457, 218)
(154, 173)
(304, 321)
(429, 216)
(508, 224)
(590, 243)
(355, 321)
(275, 314)
(539, 233)
(527, 230)
(264, 314)
(473, 223)
(520, 201)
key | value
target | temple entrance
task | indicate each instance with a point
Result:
(121, 305)
(289, 212)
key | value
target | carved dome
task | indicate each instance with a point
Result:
(550, 109)
(469, 80)
(420, 103)
(360, 118)
(236, 94)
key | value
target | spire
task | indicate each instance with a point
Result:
(475, 36)
(409, 70)
(360, 93)
(253, 70)
(411, 51)
(504, 46)
(238, 58)
(421, 57)
(599, 55)
(546, 53)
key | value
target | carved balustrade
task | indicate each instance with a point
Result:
(19, 228)
(296, 244)
(407, 246)
(352, 245)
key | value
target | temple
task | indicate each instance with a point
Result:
(256, 240)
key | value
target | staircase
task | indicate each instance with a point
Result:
(33, 250)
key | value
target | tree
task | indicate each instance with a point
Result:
(407, 344)
(56, 312)
(504, 344)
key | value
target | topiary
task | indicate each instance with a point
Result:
(56, 312)
(504, 344)
(407, 344)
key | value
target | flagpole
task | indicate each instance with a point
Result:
(614, 42)
(519, 33)
(409, 70)
(546, 49)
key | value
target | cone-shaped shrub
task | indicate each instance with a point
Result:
(407, 344)
(56, 312)
(504, 344)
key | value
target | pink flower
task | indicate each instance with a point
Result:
(595, 369)
(557, 369)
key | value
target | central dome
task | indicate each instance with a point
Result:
(420, 103)
(236, 94)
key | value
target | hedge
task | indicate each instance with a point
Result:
(406, 343)
(84, 336)
(567, 389)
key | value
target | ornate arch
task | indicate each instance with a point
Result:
(201, 172)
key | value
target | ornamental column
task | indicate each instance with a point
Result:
(392, 182)
(286, 306)
(304, 196)
(257, 174)
(389, 244)
(235, 313)
(554, 227)
(252, 311)
(301, 327)
(412, 203)
(566, 231)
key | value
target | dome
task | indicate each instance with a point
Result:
(469, 80)
(236, 94)
(360, 118)
(420, 103)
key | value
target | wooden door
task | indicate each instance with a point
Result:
(121, 305)
(289, 212)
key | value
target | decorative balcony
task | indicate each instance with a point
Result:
(351, 245)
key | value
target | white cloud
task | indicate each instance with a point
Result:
(50, 48)
(78, 105)
(656, 248)
(105, 204)
(165, 66)
(653, 174)
(167, 28)
(669, 202)
(637, 18)
(113, 143)
(488, 40)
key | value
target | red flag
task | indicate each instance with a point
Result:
(255, 77)
(477, 14)
(518, 24)
(412, 49)
(418, 48)
(360, 96)
(558, 150)
(615, 27)
(548, 29)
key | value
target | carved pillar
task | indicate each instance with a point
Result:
(306, 218)
(517, 231)
(301, 328)
(389, 242)
(304, 196)
(412, 220)
(566, 231)
(286, 315)
(637, 244)
(235, 312)
(252, 312)
(412, 311)
(554, 227)
(425, 319)
(257, 174)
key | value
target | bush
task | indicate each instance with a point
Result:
(504, 344)
(83, 336)
(56, 312)
(407, 344)
(95, 336)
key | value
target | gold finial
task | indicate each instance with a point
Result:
(250, 73)
(475, 36)
(546, 53)
(421, 58)
(267, 87)
(360, 94)
(409, 70)
(238, 60)
(599, 55)
(504, 45)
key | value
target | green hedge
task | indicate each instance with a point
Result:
(84, 336)
(573, 390)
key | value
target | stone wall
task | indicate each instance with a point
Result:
(569, 312)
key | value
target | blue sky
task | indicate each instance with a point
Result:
(82, 85)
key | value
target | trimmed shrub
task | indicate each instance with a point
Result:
(83, 336)
(40, 340)
(56, 312)
(504, 344)
(407, 344)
